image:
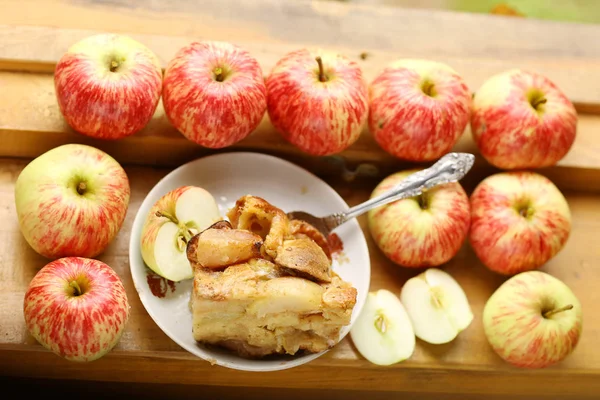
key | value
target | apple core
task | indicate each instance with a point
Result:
(381, 322)
(437, 294)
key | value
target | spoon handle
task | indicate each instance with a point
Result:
(450, 168)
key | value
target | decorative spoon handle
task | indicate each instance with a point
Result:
(450, 168)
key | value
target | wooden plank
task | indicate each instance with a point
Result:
(467, 365)
(31, 123)
(575, 71)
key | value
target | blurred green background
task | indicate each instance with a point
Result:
(558, 10)
(585, 11)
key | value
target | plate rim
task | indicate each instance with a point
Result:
(138, 223)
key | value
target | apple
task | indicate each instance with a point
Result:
(422, 231)
(383, 332)
(317, 100)
(108, 86)
(519, 221)
(522, 120)
(171, 223)
(533, 320)
(437, 306)
(214, 93)
(77, 308)
(71, 201)
(418, 109)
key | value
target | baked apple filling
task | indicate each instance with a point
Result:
(264, 284)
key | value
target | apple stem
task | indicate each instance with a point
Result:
(81, 187)
(428, 88)
(539, 101)
(218, 74)
(113, 65)
(557, 310)
(75, 286)
(168, 216)
(322, 76)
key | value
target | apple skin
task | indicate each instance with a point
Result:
(510, 133)
(103, 104)
(209, 112)
(54, 218)
(419, 238)
(319, 118)
(516, 329)
(81, 327)
(410, 124)
(508, 242)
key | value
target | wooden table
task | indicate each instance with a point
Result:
(33, 35)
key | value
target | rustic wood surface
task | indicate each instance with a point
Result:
(145, 354)
(33, 34)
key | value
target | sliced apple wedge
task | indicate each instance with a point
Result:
(171, 222)
(437, 306)
(383, 332)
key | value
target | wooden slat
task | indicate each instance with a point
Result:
(575, 70)
(467, 365)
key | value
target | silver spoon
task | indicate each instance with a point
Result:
(450, 168)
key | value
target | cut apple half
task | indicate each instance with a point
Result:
(437, 306)
(383, 333)
(171, 223)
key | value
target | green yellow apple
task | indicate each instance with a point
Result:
(533, 320)
(71, 201)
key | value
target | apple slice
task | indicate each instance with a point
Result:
(437, 305)
(171, 222)
(383, 332)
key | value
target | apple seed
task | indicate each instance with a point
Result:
(381, 323)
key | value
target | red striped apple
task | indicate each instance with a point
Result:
(418, 109)
(108, 86)
(71, 201)
(519, 221)
(170, 224)
(533, 320)
(77, 308)
(424, 231)
(317, 100)
(522, 120)
(214, 93)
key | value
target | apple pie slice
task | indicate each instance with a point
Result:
(263, 286)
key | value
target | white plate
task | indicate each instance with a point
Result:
(227, 177)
